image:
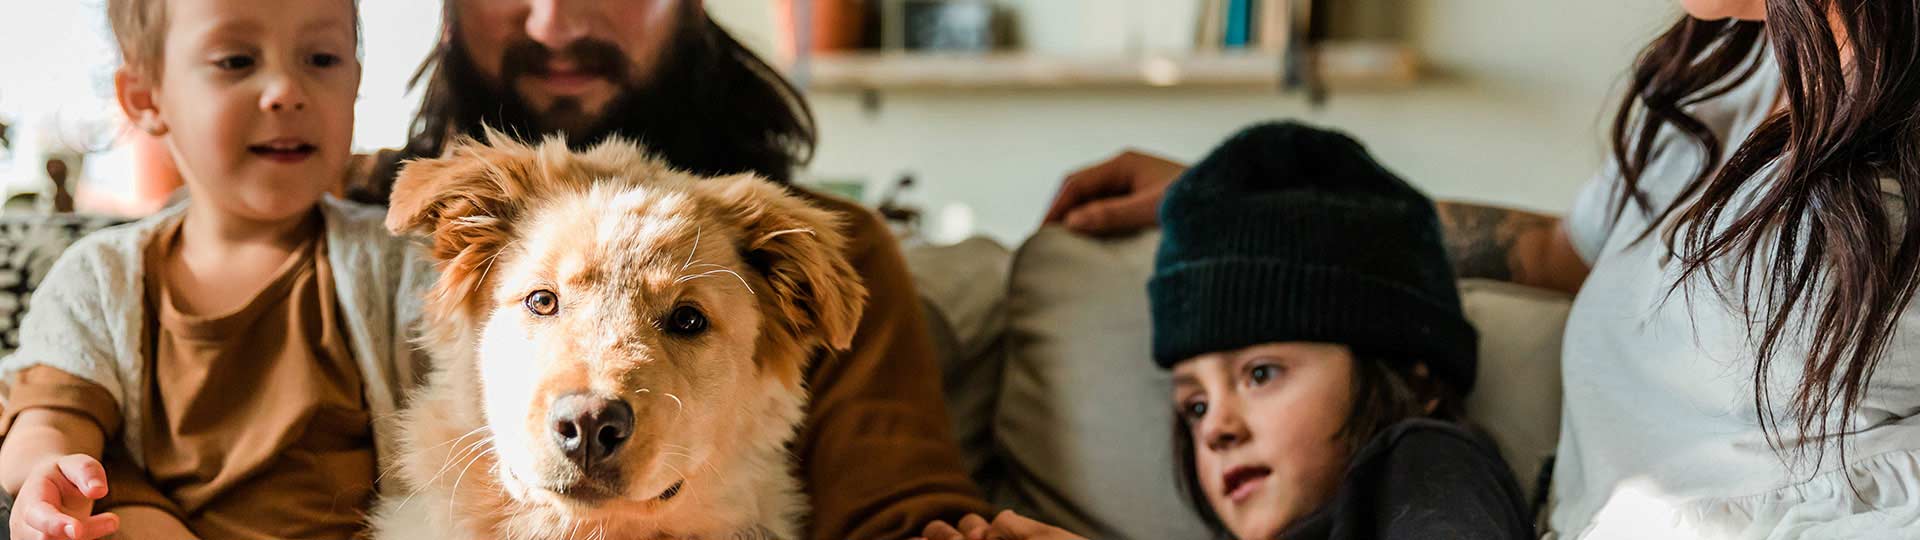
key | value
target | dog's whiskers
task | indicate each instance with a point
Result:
(495, 255)
(383, 474)
(711, 273)
(681, 404)
(776, 234)
(454, 457)
(676, 470)
(696, 246)
(457, 439)
(443, 471)
(463, 475)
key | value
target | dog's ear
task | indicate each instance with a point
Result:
(799, 250)
(465, 202)
(469, 180)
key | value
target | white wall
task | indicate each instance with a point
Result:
(1515, 115)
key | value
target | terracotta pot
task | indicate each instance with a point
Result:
(836, 25)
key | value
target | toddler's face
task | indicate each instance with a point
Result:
(1265, 426)
(257, 101)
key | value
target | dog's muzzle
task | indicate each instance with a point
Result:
(590, 430)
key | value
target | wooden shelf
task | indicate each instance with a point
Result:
(1363, 65)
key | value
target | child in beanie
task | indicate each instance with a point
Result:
(1303, 300)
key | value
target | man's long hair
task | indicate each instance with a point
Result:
(711, 107)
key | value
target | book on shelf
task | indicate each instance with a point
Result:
(1213, 25)
(1239, 24)
(1275, 24)
(1265, 25)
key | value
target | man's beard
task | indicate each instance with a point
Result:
(638, 110)
(708, 105)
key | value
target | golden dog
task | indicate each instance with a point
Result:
(618, 347)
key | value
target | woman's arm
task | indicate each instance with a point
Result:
(1503, 244)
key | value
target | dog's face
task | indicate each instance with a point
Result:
(637, 329)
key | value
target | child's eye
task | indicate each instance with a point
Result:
(233, 63)
(1194, 410)
(324, 60)
(1263, 373)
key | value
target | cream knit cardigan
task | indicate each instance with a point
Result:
(88, 316)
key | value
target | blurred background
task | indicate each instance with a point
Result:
(986, 104)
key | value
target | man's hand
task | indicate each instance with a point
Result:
(1119, 196)
(1011, 526)
(972, 527)
(56, 502)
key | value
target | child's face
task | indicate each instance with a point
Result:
(1265, 424)
(255, 100)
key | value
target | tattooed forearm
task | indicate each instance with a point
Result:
(1490, 242)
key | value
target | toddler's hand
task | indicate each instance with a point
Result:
(56, 502)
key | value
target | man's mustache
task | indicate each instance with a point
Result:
(590, 56)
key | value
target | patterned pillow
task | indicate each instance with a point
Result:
(29, 243)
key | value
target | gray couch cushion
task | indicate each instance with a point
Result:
(963, 289)
(1518, 397)
(1084, 421)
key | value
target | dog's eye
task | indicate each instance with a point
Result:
(687, 321)
(543, 303)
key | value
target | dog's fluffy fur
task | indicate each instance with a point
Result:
(623, 242)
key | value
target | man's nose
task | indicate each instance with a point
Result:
(557, 24)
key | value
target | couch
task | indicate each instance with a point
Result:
(1045, 366)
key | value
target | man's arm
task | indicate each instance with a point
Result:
(1503, 244)
(877, 452)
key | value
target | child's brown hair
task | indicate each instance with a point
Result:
(140, 30)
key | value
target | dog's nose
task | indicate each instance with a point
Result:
(589, 428)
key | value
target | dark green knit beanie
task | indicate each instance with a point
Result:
(1291, 233)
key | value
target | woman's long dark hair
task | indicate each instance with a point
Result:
(712, 107)
(1822, 252)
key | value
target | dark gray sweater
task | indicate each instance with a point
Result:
(1422, 479)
